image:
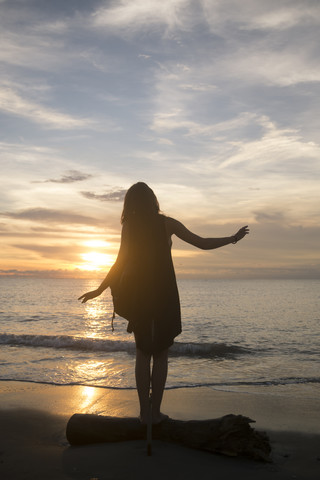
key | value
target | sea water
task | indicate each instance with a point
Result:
(259, 336)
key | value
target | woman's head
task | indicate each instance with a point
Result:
(139, 202)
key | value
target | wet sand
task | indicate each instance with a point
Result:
(33, 445)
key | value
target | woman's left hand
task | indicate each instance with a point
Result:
(89, 295)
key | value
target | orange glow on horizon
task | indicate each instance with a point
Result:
(96, 261)
(96, 244)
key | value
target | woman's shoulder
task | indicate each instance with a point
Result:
(171, 224)
(169, 220)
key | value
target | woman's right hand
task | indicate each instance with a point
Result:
(241, 233)
(89, 296)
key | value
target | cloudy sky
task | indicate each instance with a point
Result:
(215, 104)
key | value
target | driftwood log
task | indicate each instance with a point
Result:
(230, 435)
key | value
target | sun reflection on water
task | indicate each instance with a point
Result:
(87, 397)
(96, 319)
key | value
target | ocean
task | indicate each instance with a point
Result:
(257, 336)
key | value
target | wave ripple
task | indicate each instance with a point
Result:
(205, 350)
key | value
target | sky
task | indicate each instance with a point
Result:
(214, 104)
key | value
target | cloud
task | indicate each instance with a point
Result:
(20, 153)
(39, 35)
(248, 141)
(269, 217)
(67, 252)
(71, 177)
(28, 48)
(114, 196)
(259, 15)
(285, 67)
(277, 148)
(175, 120)
(144, 14)
(264, 43)
(14, 104)
(198, 87)
(51, 216)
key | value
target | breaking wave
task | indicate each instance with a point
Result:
(180, 349)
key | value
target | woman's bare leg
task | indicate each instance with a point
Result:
(143, 381)
(158, 381)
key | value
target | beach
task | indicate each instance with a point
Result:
(236, 356)
(33, 444)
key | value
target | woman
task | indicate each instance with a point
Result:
(151, 306)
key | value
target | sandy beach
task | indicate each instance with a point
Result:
(33, 444)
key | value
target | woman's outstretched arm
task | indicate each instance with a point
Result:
(177, 228)
(121, 258)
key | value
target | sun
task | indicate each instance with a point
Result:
(95, 260)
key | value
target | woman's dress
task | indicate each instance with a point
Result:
(147, 293)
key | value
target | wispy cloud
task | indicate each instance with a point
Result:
(176, 120)
(113, 196)
(284, 67)
(31, 49)
(22, 152)
(71, 177)
(276, 147)
(253, 15)
(267, 217)
(144, 14)
(51, 216)
(66, 252)
(14, 104)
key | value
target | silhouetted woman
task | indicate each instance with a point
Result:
(152, 305)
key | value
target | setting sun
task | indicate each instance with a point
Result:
(96, 260)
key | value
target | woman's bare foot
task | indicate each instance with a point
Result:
(143, 419)
(156, 419)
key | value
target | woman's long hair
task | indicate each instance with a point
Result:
(140, 203)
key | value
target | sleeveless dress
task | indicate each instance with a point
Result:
(152, 305)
